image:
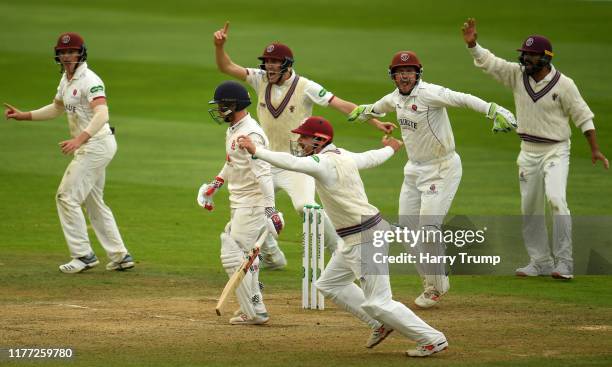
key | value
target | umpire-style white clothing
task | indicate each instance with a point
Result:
(543, 111)
(84, 178)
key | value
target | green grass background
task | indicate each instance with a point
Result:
(157, 61)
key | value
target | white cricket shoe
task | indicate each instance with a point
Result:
(243, 319)
(80, 264)
(273, 261)
(429, 298)
(533, 270)
(126, 263)
(378, 335)
(562, 271)
(425, 350)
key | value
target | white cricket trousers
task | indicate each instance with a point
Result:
(543, 180)
(237, 241)
(425, 198)
(83, 183)
(373, 302)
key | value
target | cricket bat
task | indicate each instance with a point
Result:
(236, 278)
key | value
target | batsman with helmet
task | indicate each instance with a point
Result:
(545, 101)
(81, 94)
(251, 191)
(433, 171)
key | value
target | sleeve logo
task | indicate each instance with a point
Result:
(322, 92)
(316, 158)
(97, 88)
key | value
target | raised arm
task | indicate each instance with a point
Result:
(501, 70)
(224, 63)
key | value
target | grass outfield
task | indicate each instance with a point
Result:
(157, 63)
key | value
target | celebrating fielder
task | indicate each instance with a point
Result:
(284, 101)
(81, 94)
(433, 171)
(545, 100)
(339, 185)
(251, 198)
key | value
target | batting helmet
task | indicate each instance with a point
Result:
(537, 44)
(405, 58)
(316, 126)
(230, 96)
(71, 41)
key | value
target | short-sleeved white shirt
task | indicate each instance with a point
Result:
(76, 95)
(313, 92)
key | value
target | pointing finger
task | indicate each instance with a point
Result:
(226, 27)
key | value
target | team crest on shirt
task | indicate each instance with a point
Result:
(233, 145)
(74, 92)
(291, 109)
(414, 107)
(432, 190)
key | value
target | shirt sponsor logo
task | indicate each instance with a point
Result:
(69, 108)
(97, 88)
(407, 124)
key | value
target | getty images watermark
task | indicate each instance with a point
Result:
(427, 246)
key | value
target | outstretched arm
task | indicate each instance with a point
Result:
(47, 112)
(224, 63)
(311, 165)
(376, 157)
(347, 107)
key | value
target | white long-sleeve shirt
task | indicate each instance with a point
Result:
(338, 183)
(543, 108)
(423, 119)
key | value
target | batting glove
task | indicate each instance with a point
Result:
(503, 120)
(207, 191)
(364, 112)
(275, 221)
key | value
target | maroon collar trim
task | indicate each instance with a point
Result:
(277, 111)
(536, 96)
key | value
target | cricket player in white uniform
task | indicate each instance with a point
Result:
(433, 171)
(81, 94)
(545, 101)
(251, 198)
(339, 185)
(285, 99)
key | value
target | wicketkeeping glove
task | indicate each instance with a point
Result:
(207, 191)
(503, 120)
(275, 221)
(364, 112)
